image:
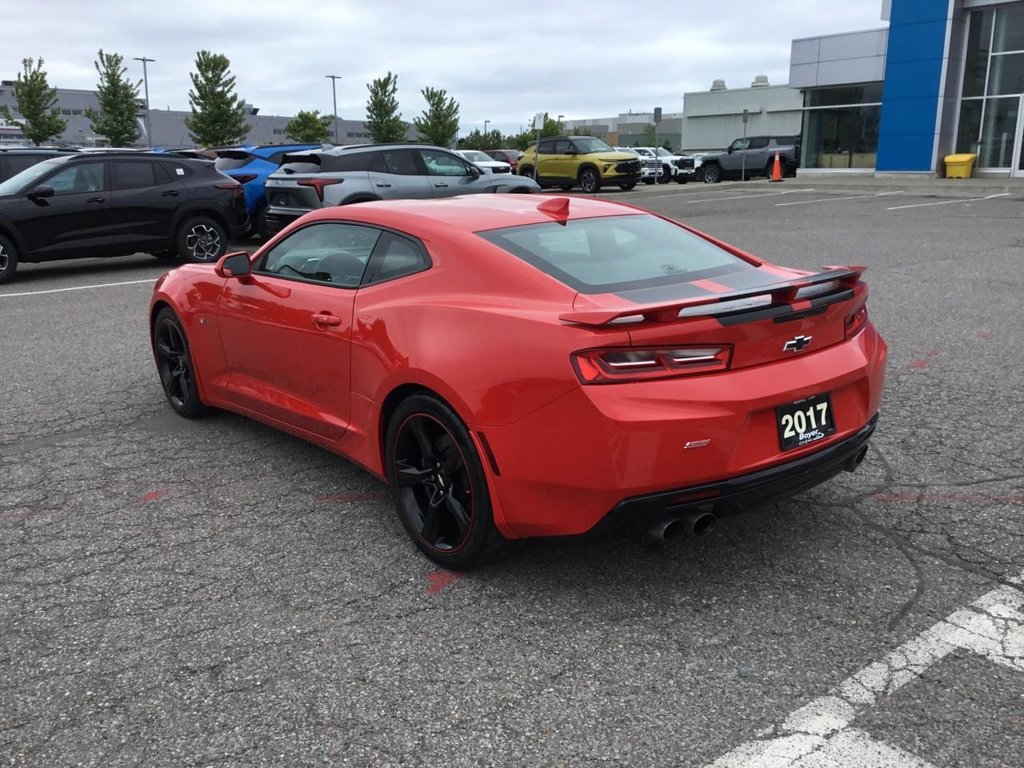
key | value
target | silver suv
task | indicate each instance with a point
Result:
(355, 174)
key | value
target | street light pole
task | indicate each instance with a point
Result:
(145, 83)
(486, 123)
(334, 91)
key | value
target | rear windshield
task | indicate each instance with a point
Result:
(231, 160)
(615, 253)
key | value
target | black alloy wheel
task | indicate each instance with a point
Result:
(712, 174)
(590, 182)
(202, 240)
(8, 259)
(175, 366)
(438, 484)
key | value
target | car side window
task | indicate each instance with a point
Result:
(131, 175)
(332, 253)
(758, 142)
(396, 256)
(76, 179)
(739, 144)
(443, 164)
(400, 162)
(547, 148)
(563, 147)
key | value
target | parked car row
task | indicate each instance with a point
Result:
(307, 181)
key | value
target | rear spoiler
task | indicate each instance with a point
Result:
(781, 293)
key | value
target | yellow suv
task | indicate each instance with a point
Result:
(566, 161)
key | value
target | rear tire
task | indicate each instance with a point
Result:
(439, 486)
(201, 240)
(8, 259)
(665, 176)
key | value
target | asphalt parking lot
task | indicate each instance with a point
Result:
(178, 593)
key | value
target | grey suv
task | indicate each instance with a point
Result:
(355, 174)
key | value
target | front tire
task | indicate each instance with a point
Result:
(712, 174)
(438, 485)
(665, 176)
(590, 181)
(8, 259)
(201, 240)
(175, 365)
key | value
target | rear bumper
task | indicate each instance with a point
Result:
(738, 494)
(278, 221)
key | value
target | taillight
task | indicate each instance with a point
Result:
(318, 185)
(613, 366)
(235, 187)
(243, 178)
(855, 323)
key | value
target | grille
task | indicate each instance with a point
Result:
(628, 166)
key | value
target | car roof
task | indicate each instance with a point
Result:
(36, 150)
(470, 213)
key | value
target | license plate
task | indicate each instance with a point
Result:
(805, 422)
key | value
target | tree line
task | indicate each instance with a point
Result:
(219, 116)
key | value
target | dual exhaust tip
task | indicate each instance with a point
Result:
(699, 522)
(691, 524)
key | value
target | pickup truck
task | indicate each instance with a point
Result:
(752, 156)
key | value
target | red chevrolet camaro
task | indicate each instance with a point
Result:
(519, 365)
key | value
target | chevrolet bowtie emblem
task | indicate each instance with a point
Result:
(796, 344)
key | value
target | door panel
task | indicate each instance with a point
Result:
(450, 175)
(143, 201)
(396, 174)
(75, 221)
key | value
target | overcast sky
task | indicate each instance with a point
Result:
(502, 62)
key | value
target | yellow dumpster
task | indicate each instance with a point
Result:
(960, 166)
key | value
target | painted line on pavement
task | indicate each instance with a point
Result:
(77, 288)
(837, 199)
(949, 202)
(818, 735)
(712, 199)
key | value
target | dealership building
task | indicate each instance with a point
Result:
(946, 77)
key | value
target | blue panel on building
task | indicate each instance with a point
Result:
(912, 85)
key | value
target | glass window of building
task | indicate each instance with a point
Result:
(841, 126)
(990, 122)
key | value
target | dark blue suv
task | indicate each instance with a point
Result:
(251, 166)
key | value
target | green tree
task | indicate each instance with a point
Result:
(440, 122)
(118, 99)
(310, 127)
(383, 120)
(550, 127)
(477, 139)
(37, 104)
(218, 115)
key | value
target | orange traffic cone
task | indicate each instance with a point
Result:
(776, 169)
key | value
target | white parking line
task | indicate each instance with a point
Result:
(948, 202)
(837, 199)
(77, 288)
(819, 734)
(712, 199)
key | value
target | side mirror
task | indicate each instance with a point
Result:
(234, 265)
(730, 150)
(40, 192)
(474, 172)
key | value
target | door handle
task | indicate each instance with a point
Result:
(326, 318)
(96, 200)
(440, 185)
(170, 193)
(383, 185)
